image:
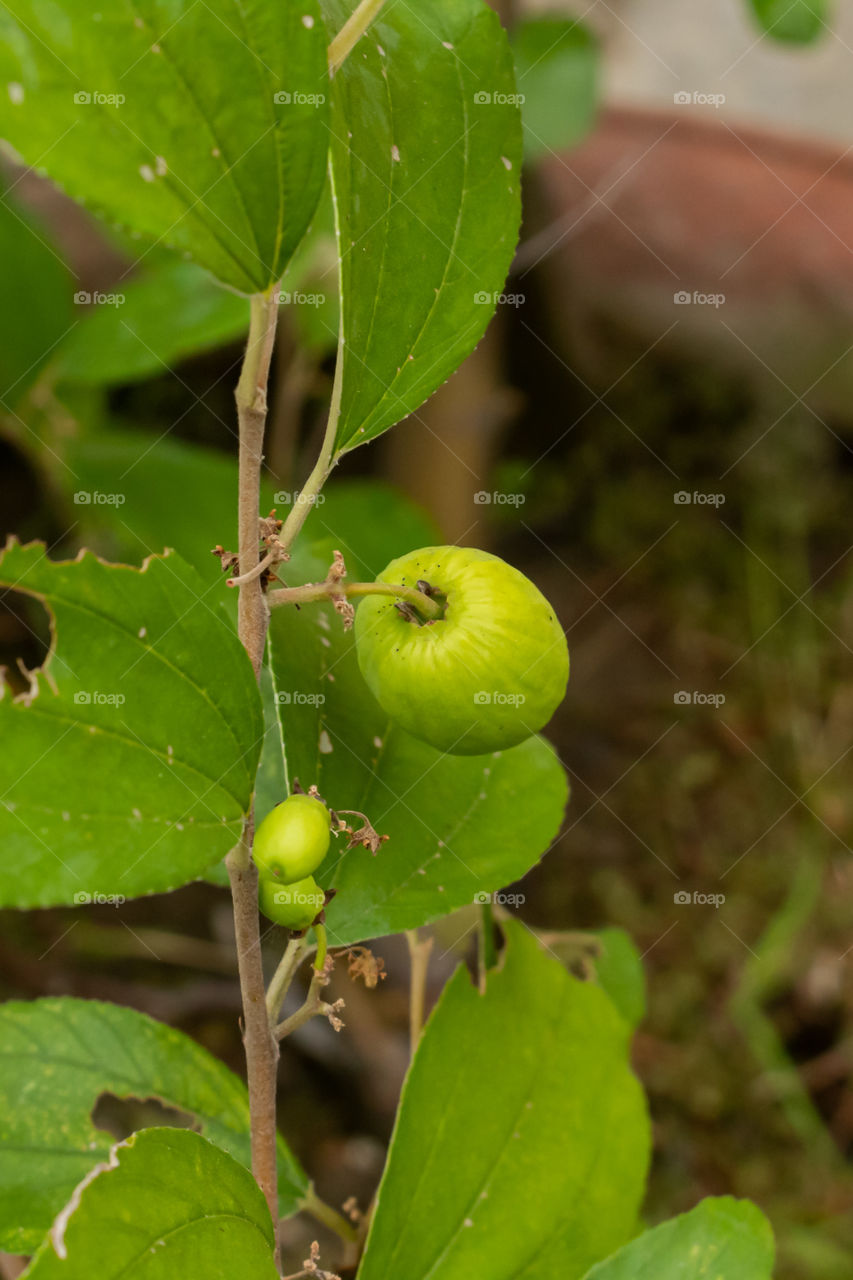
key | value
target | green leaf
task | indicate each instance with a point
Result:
(35, 276)
(793, 21)
(167, 1203)
(619, 969)
(57, 1056)
(723, 1239)
(164, 316)
(427, 200)
(175, 495)
(556, 66)
(162, 115)
(522, 1138)
(459, 826)
(131, 762)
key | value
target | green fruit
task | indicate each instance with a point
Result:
(485, 675)
(293, 839)
(293, 905)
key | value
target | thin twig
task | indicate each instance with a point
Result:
(260, 1045)
(351, 32)
(271, 558)
(322, 467)
(419, 951)
(487, 956)
(329, 1217)
(314, 1006)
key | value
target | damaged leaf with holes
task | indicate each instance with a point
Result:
(165, 1203)
(60, 1055)
(137, 744)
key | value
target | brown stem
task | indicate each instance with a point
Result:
(251, 396)
(260, 1045)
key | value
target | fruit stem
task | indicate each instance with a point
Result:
(294, 954)
(425, 605)
(314, 1005)
(322, 947)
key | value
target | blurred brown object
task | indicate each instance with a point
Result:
(657, 204)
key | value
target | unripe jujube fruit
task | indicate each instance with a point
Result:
(293, 839)
(486, 674)
(293, 905)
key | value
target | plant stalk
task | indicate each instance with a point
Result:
(280, 982)
(322, 467)
(419, 952)
(351, 32)
(331, 1218)
(259, 1042)
(327, 590)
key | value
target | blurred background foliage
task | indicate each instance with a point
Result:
(567, 443)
